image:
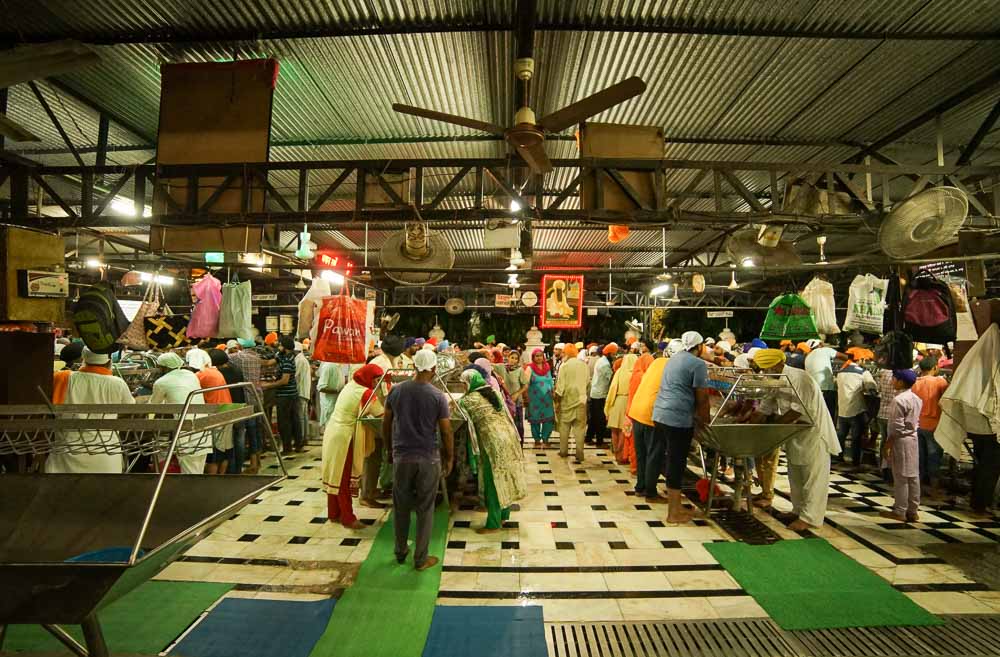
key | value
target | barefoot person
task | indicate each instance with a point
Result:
(809, 452)
(415, 411)
(681, 408)
(903, 447)
(346, 443)
(500, 455)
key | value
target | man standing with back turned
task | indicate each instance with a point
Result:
(414, 412)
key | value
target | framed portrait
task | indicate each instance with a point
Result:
(562, 302)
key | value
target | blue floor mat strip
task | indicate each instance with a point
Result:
(258, 628)
(486, 632)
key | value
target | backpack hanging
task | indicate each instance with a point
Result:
(99, 319)
(929, 310)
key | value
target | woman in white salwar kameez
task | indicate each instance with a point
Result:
(809, 451)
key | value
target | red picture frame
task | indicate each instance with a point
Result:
(561, 302)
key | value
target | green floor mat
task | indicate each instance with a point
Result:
(387, 612)
(145, 621)
(808, 585)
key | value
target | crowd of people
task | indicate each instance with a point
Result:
(388, 438)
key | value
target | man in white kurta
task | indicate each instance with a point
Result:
(173, 388)
(809, 451)
(93, 384)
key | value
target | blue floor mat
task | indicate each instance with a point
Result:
(240, 627)
(486, 632)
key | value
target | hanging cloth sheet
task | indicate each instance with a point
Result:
(235, 312)
(818, 294)
(866, 304)
(971, 404)
(205, 312)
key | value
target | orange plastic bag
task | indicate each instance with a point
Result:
(341, 331)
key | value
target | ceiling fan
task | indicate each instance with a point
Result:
(527, 135)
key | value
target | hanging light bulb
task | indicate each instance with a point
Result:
(676, 298)
(821, 241)
(733, 285)
(516, 258)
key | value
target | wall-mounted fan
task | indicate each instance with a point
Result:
(388, 322)
(527, 135)
(923, 222)
(416, 246)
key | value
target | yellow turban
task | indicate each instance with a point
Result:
(768, 358)
(570, 351)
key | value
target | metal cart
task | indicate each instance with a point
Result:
(743, 390)
(50, 524)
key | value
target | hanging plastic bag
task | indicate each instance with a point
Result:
(134, 336)
(341, 333)
(866, 304)
(818, 295)
(309, 308)
(789, 318)
(235, 312)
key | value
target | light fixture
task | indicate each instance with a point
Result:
(121, 205)
(516, 258)
(676, 298)
(515, 206)
(733, 285)
(146, 277)
(748, 262)
(94, 263)
(332, 277)
(660, 289)
(301, 285)
(821, 241)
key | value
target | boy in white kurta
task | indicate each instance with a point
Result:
(904, 447)
(808, 452)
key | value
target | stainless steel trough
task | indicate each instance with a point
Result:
(47, 520)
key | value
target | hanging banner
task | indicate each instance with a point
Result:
(562, 302)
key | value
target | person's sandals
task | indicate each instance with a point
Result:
(430, 563)
(356, 526)
(891, 516)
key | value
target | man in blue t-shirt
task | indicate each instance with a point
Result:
(415, 411)
(287, 398)
(681, 408)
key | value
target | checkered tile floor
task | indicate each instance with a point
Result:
(581, 544)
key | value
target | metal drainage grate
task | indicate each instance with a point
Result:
(737, 638)
(961, 635)
(744, 527)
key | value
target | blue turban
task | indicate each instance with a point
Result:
(909, 377)
(444, 344)
(420, 342)
(661, 346)
(760, 344)
(409, 342)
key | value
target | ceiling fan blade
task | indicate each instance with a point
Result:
(449, 118)
(535, 157)
(12, 130)
(594, 104)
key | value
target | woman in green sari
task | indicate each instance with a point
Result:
(500, 455)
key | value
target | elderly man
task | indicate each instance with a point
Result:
(680, 409)
(415, 411)
(173, 387)
(570, 398)
(93, 384)
(808, 452)
(557, 358)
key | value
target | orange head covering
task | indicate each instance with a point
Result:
(221, 346)
(271, 338)
(803, 347)
(570, 351)
(640, 368)
(786, 343)
(630, 340)
(610, 349)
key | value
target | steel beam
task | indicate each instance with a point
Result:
(984, 129)
(370, 26)
(55, 122)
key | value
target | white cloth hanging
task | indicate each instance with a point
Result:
(971, 403)
(866, 304)
(309, 308)
(818, 294)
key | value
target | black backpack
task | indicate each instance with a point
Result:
(895, 351)
(98, 318)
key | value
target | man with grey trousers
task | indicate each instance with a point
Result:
(415, 411)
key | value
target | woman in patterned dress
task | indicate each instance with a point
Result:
(540, 410)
